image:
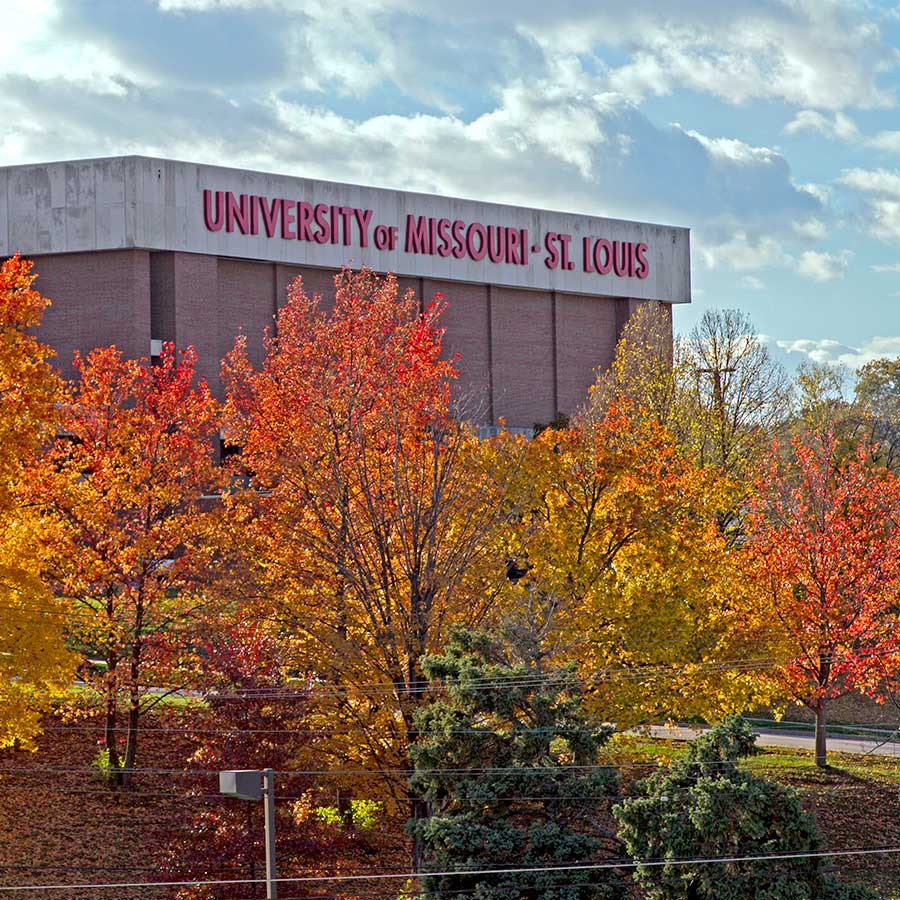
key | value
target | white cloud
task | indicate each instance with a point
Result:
(835, 353)
(873, 181)
(818, 54)
(813, 228)
(882, 209)
(814, 54)
(31, 43)
(744, 252)
(750, 252)
(837, 126)
(734, 150)
(885, 215)
(889, 267)
(823, 266)
(886, 140)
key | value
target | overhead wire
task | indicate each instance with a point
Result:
(381, 689)
(496, 870)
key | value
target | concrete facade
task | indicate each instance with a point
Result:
(134, 249)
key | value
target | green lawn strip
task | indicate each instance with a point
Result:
(90, 697)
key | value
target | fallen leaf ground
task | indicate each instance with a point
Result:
(61, 824)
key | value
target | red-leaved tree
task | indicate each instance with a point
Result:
(121, 491)
(824, 535)
(370, 529)
(253, 718)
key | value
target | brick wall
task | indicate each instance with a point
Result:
(585, 341)
(99, 299)
(246, 296)
(524, 355)
(466, 322)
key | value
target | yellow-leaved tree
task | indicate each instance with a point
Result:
(623, 566)
(34, 664)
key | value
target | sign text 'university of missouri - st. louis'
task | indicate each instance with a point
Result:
(190, 207)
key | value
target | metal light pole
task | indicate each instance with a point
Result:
(268, 784)
(251, 784)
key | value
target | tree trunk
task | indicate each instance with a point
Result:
(418, 809)
(134, 696)
(112, 697)
(825, 656)
(821, 736)
(110, 732)
(131, 742)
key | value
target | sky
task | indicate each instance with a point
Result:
(770, 127)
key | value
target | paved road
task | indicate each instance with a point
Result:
(774, 737)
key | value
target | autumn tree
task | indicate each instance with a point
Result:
(877, 396)
(121, 490)
(644, 371)
(717, 390)
(821, 398)
(34, 665)
(507, 760)
(368, 526)
(621, 564)
(824, 541)
(253, 718)
(740, 395)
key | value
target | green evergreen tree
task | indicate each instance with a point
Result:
(703, 805)
(505, 762)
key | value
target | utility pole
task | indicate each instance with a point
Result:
(268, 780)
(251, 784)
(719, 403)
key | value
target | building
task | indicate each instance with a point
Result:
(134, 251)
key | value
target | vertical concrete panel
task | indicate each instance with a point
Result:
(22, 211)
(152, 188)
(57, 176)
(98, 299)
(43, 210)
(467, 332)
(133, 228)
(522, 355)
(246, 293)
(109, 185)
(81, 206)
(585, 342)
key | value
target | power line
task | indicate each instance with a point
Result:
(610, 675)
(378, 876)
(482, 770)
(850, 732)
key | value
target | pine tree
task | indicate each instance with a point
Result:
(506, 763)
(705, 806)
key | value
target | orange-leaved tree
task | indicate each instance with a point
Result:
(824, 540)
(121, 489)
(34, 664)
(623, 566)
(375, 506)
